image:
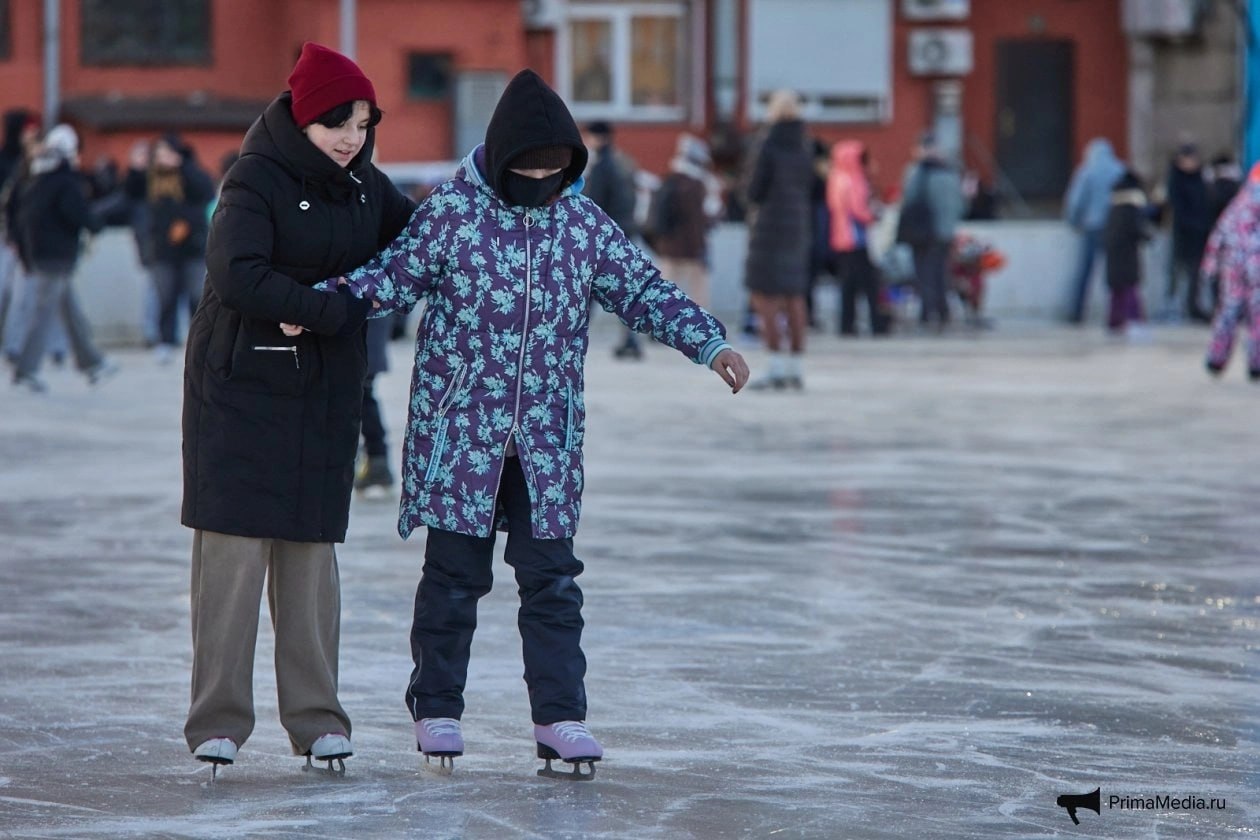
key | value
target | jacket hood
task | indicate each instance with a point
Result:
(275, 136)
(530, 115)
(847, 155)
(1101, 162)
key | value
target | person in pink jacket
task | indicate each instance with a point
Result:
(852, 214)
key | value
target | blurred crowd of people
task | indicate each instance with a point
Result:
(50, 201)
(1114, 212)
(814, 214)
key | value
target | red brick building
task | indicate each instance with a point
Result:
(1016, 84)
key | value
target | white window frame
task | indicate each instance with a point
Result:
(819, 104)
(619, 16)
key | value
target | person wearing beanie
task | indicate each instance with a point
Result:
(271, 417)
(50, 215)
(508, 255)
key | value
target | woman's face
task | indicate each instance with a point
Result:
(343, 142)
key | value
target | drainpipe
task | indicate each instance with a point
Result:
(348, 34)
(724, 62)
(52, 62)
(1251, 84)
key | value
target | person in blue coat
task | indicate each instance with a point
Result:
(1086, 207)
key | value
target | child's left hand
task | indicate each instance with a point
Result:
(291, 329)
(732, 368)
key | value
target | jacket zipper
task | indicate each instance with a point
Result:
(284, 348)
(520, 359)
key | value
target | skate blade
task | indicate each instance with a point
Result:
(339, 770)
(215, 763)
(574, 775)
(445, 765)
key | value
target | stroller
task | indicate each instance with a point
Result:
(971, 260)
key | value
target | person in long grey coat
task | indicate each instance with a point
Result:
(777, 268)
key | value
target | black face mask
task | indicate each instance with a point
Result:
(524, 191)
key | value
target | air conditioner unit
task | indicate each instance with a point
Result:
(1162, 18)
(542, 14)
(935, 9)
(940, 52)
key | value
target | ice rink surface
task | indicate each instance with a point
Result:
(954, 579)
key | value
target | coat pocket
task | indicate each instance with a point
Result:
(266, 363)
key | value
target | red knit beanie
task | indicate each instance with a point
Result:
(322, 79)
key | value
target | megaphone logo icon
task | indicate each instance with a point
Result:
(1072, 801)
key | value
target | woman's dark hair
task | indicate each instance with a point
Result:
(334, 117)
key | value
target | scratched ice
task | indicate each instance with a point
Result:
(950, 582)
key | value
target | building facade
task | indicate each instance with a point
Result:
(1015, 88)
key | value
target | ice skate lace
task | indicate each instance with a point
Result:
(436, 727)
(571, 730)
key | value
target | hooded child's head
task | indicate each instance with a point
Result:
(533, 147)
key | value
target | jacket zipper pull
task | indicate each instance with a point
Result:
(283, 348)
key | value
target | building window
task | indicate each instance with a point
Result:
(428, 76)
(6, 32)
(625, 60)
(145, 32)
(809, 46)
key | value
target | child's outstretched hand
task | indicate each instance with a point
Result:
(732, 368)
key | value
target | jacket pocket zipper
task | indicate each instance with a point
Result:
(286, 348)
(439, 449)
(456, 381)
(568, 422)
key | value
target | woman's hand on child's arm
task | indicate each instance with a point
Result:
(732, 368)
(330, 285)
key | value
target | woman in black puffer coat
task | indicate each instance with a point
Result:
(271, 421)
(777, 270)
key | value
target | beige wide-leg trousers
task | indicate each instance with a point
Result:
(305, 599)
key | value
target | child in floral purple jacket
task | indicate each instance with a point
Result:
(507, 255)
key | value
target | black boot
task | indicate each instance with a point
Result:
(373, 472)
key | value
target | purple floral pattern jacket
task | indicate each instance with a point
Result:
(502, 344)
